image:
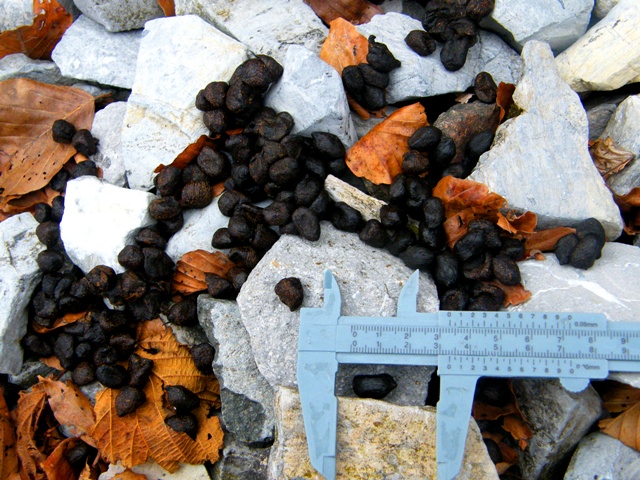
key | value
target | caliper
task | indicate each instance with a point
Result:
(574, 347)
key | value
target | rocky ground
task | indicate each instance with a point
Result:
(576, 67)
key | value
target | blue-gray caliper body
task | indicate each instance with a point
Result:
(574, 347)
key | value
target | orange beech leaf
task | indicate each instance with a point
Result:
(625, 427)
(344, 46)
(618, 397)
(190, 153)
(354, 11)
(129, 475)
(168, 7)
(513, 294)
(189, 276)
(134, 438)
(545, 240)
(513, 223)
(8, 456)
(28, 414)
(53, 362)
(71, 408)
(27, 202)
(40, 38)
(630, 207)
(56, 466)
(483, 411)
(66, 319)
(608, 157)
(504, 98)
(378, 155)
(29, 157)
(518, 429)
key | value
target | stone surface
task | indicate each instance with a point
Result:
(100, 219)
(161, 119)
(89, 52)
(558, 420)
(600, 456)
(425, 76)
(240, 462)
(539, 161)
(107, 128)
(557, 23)
(602, 7)
(16, 13)
(188, 335)
(341, 191)
(370, 281)
(599, 110)
(624, 129)
(154, 471)
(603, 58)
(247, 398)
(264, 27)
(28, 374)
(19, 65)
(409, 7)
(19, 248)
(120, 15)
(376, 440)
(312, 92)
(199, 226)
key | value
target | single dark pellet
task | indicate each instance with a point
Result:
(373, 77)
(168, 181)
(506, 270)
(564, 247)
(42, 212)
(150, 237)
(218, 287)
(49, 261)
(196, 195)
(374, 234)
(129, 399)
(586, 252)
(420, 42)
(415, 163)
(139, 370)
(455, 299)
(112, 376)
(62, 131)
(392, 217)
(307, 223)
(48, 233)
(215, 94)
(328, 145)
(84, 142)
(485, 88)
(185, 423)
(373, 386)
(417, 257)
(379, 56)
(447, 269)
(346, 218)
(101, 278)
(164, 208)
(425, 139)
(203, 355)
(479, 267)
(469, 245)
(400, 240)
(289, 291)
(131, 257)
(83, 374)
(181, 398)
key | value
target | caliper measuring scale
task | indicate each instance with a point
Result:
(574, 347)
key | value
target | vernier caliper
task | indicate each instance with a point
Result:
(574, 347)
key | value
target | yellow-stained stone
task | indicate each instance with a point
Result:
(376, 440)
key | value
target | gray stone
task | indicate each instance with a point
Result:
(370, 281)
(557, 23)
(247, 398)
(19, 248)
(107, 128)
(120, 15)
(375, 440)
(411, 8)
(152, 470)
(603, 59)
(602, 457)
(265, 27)
(240, 462)
(89, 52)
(28, 375)
(100, 219)
(18, 65)
(425, 76)
(188, 335)
(603, 7)
(199, 226)
(341, 191)
(558, 420)
(624, 130)
(70, 8)
(16, 13)
(539, 161)
(162, 119)
(312, 92)
(599, 111)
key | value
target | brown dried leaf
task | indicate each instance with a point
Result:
(625, 427)
(38, 39)
(504, 98)
(168, 7)
(354, 11)
(518, 429)
(71, 408)
(608, 157)
(513, 294)
(129, 475)
(517, 224)
(619, 397)
(185, 157)
(630, 207)
(378, 155)
(29, 157)
(189, 276)
(27, 202)
(344, 46)
(8, 457)
(545, 240)
(464, 98)
(28, 412)
(56, 466)
(483, 411)
(66, 319)
(53, 362)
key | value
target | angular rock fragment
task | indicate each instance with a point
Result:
(120, 15)
(240, 461)
(603, 7)
(15, 14)
(107, 128)
(600, 456)
(152, 470)
(19, 65)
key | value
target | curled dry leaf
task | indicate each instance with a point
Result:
(608, 157)
(28, 415)
(29, 157)
(189, 276)
(354, 11)
(625, 427)
(630, 207)
(66, 319)
(168, 7)
(518, 429)
(8, 457)
(545, 240)
(378, 155)
(618, 397)
(56, 466)
(513, 294)
(190, 153)
(38, 40)
(483, 411)
(504, 98)
(344, 46)
(129, 475)
(517, 224)
(27, 202)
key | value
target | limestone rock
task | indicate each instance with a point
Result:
(558, 419)
(18, 65)
(28, 374)
(19, 248)
(100, 219)
(16, 13)
(601, 456)
(239, 461)
(107, 128)
(152, 470)
(199, 227)
(120, 15)
(557, 23)
(265, 27)
(89, 52)
(600, 109)
(425, 76)
(539, 160)
(341, 191)
(603, 7)
(370, 281)
(376, 440)
(602, 59)
(624, 129)
(162, 119)
(247, 398)
(312, 92)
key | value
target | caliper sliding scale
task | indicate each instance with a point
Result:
(574, 347)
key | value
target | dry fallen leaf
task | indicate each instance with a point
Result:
(27, 202)
(344, 46)
(38, 39)
(56, 466)
(518, 429)
(378, 155)
(545, 240)
(189, 276)
(517, 224)
(630, 208)
(608, 157)
(513, 294)
(168, 7)
(28, 414)
(29, 157)
(625, 427)
(618, 397)
(66, 319)
(8, 457)
(134, 438)
(190, 153)
(129, 475)
(483, 411)
(354, 11)
(504, 98)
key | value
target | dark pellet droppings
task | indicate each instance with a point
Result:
(373, 98)
(373, 77)
(215, 94)
(307, 223)
(277, 214)
(289, 291)
(128, 400)
(494, 450)
(214, 164)
(447, 269)
(433, 238)
(203, 355)
(284, 171)
(425, 139)
(218, 287)
(433, 211)
(83, 374)
(49, 261)
(48, 233)
(150, 237)
(157, 264)
(414, 162)
(400, 240)
(238, 275)
(216, 121)
(229, 200)
(246, 256)
(123, 344)
(131, 257)
(374, 234)
(201, 102)
(59, 181)
(240, 228)
(139, 370)
(63, 131)
(42, 212)
(483, 303)
(101, 279)
(420, 42)
(222, 239)
(164, 208)
(112, 376)
(64, 349)
(373, 386)
(479, 144)
(105, 356)
(328, 145)
(512, 248)
(469, 245)
(479, 267)
(88, 167)
(264, 238)
(478, 9)
(168, 181)
(379, 56)
(273, 67)
(417, 257)
(196, 195)
(185, 423)
(454, 53)
(455, 299)
(564, 247)
(84, 142)
(506, 270)
(307, 190)
(346, 218)
(392, 217)
(585, 252)
(353, 81)
(485, 88)
(37, 345)
(181, 398)
(591, 226)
